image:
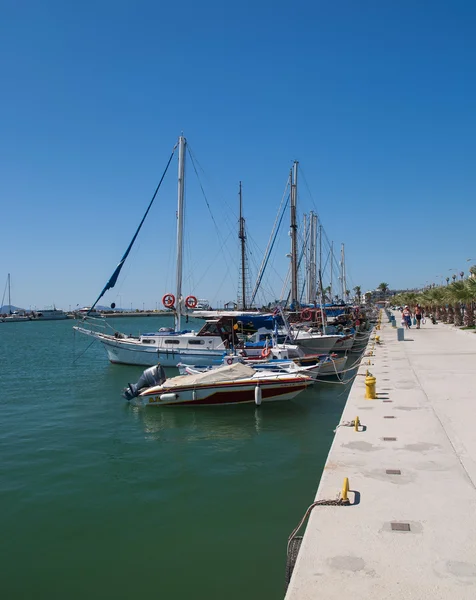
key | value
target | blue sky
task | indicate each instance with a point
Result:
(375, 99)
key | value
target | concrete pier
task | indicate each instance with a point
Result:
(410, 528)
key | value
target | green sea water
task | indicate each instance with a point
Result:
(100, 499)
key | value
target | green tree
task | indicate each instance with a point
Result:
(461, 294)
(326, 292)
(383, 287)
(358, 293)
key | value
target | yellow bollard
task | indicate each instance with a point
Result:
(345, 490)
(356, 424)
(370, 382)
(377, 339)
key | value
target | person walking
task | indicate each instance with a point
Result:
(418, 315)
(407, 317)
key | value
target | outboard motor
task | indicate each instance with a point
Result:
(150, 377)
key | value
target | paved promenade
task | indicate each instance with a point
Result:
(409, 533)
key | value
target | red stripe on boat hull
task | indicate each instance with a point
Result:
(239, 396)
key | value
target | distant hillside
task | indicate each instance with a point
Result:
(7, 308)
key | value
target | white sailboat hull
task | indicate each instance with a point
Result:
(333, 367)
(132, 351)
(318, 344)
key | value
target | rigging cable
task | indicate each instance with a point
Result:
(269, 248)
(224, 246)
(112, 281)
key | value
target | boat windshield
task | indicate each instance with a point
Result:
(220, 327)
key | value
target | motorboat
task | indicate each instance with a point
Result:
(320, 365)
(230, 384)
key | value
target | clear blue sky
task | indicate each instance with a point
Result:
(375, 99)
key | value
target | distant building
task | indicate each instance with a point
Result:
(202, 304)
(374, 296)
(231, 305)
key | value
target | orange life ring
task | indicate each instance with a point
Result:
(190, 302)
(168, 300)
(306, 314)
(229, 361)
(265, 352)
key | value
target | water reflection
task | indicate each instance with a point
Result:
(218, 423)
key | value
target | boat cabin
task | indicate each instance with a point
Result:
(225, 328)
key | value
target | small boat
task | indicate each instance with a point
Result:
(320, 365)
(88, 311)
(230, 384)
(16, 315)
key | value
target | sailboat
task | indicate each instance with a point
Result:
(16, 315)
(207, 347)
(311, 342)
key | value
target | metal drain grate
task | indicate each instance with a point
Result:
(400, 526)
(393, 472)
(389, 439)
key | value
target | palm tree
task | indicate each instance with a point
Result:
(326, 294)
(469, 316)
(454, 306)
(460, 293)
(426, 300)
(358, 293)
(383, 287)
(437, 302)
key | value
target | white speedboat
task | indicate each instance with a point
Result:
(230, 384)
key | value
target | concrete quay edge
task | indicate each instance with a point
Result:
(354, 550)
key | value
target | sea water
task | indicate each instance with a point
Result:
(101, 499)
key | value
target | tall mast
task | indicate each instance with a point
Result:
(306, 230)
(180, 219)
(242, 238)
(312, 257)
(342, 262)
(332, 269)
(321, 289)
(9, 297)
(294, 261)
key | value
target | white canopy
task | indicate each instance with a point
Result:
(221, 374)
